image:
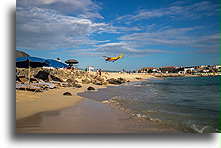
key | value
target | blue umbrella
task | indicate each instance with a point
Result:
(28, 62)
(55, 64)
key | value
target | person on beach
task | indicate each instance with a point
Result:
(99, 72)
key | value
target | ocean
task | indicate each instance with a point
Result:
(185, 104)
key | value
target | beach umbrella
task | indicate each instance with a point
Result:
(33, 62)
(55, 64)
(21, 54)
(71, 61)
(30, 62)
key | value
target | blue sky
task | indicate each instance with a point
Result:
(149, 33)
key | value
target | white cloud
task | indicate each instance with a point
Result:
(108, 28)
(45, 28)
(169, 36)
(91, 15)
(113, 49)
(175, 11)
(64, 6)
(42, 24)
(176, 38)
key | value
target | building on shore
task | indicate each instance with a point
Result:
(188, 70)
(198, 70)
(169, 69)
(90, 68)
(149, 70)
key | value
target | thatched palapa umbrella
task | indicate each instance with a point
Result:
(71, 62)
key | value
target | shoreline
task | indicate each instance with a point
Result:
(88, 116)
(86, 113)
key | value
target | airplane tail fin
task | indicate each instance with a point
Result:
(121, 55)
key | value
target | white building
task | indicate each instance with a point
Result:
(188, 69)
(90, 68)
(218, 67)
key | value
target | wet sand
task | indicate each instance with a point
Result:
(87, 116)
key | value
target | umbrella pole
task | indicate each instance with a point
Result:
(29, 69)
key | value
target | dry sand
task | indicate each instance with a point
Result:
(29, 103)
(130, 77)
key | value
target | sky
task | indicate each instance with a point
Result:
(149, 33)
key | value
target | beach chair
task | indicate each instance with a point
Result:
(38, 83)
(62, 84)
(43, 86)
(25, 80)
(22, 79)
(20, 86)
(50, 85)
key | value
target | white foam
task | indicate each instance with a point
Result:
(141, 116)
(193, 126)
(154, 119)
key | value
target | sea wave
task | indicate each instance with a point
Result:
(117, 103)
(137, 85)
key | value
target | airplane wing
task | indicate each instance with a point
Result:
(106, 57)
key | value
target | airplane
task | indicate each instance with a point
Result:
(109, 59)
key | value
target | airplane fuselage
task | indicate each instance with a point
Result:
(109, 59)
(112, 59)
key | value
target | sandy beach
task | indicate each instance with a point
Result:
(29, 103)
(88, 116)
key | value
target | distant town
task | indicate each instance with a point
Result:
(213, 70)
(203, 70)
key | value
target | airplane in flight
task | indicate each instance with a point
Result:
(112, 59)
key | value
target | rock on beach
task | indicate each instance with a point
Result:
(67, 94)
(73, 78)
(116, 81)
(90, 88)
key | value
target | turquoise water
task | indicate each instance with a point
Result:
(187, 104)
